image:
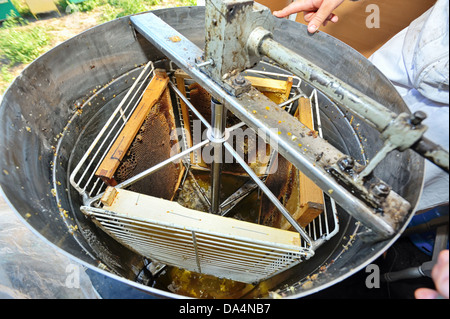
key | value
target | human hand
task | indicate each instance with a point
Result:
(439, 274)
(315, 12)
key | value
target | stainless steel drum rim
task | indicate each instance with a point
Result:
(103, 52)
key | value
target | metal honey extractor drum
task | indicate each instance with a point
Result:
(60, 102)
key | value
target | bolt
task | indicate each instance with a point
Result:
(239, 80)
(346, 163)
(381, 190)
(418, 117)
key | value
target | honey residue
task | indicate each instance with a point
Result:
(194, 285)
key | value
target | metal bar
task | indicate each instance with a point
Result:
(433, 152)
(348, 97)
(269, 194)
(291, 100)
(251, 108)
(191, 107)
(237, 197)
(339, 91)
(218, 114)
(200, 189)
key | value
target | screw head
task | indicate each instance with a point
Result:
(381, 190)
(346, 163)
(418, 117)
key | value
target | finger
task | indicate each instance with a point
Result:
(425, 293)
(308, 16)
(322, 14)
(319, 18)
(294, 7)
(439, 270)
(333, 18)
(440, 274)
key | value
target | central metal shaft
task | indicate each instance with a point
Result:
(218, 120)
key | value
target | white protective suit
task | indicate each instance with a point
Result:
(416, 61)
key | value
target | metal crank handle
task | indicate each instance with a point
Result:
(403, 131)
(433, 152)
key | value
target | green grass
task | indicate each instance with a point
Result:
(20, 42)
(189, 2)
(84, 6)
(114, 9)
(6, 76)
(21, 7)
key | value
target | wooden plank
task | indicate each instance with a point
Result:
(167, 107)
(310, 197)
(280, 97)
(290, 83)
(155, 142)
(109, 196)
(268, 85)
(151, 95)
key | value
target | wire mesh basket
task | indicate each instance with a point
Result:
(163, 230)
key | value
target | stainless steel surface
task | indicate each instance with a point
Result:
(382, 215)
(218, 120)
(181, 245)
(42, 103)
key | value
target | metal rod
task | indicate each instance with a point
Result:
(155, 168)
(433, 152)
(191, 107)
(270, 195)
(344, 94)
(237, 197)
(218, 114)
(200, 189)
(291, 100)
(348, 97)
